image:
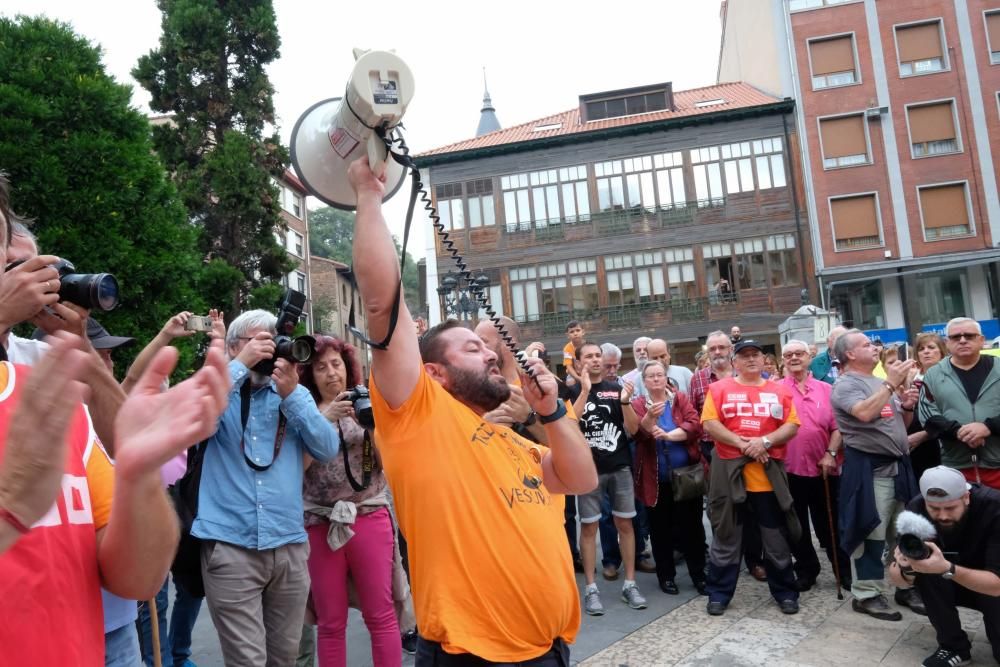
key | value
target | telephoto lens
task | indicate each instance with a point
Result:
(87, 290)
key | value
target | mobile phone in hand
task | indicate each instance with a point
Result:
(198, 323)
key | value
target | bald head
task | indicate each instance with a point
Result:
(657, 350)
(491, 337)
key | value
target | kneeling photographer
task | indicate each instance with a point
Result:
(250, 498)
(949, 548)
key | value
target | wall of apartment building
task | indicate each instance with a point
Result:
(753, 48)
(331, 301)
(897, 175)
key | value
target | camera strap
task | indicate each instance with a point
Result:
(367, 461)
(279, 436)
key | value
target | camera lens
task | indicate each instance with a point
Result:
(302, 350)
(90, 290)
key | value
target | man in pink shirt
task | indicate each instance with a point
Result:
(811, 455)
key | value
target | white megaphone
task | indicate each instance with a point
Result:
(333, 133)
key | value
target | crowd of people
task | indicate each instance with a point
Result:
(452, 500)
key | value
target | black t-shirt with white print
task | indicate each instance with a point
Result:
(603, 425)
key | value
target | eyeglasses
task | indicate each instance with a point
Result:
(789, 355)
(963, 336)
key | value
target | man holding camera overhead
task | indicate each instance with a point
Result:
(960, 567)
(250, 501)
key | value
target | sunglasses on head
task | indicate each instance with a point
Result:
(963, 336)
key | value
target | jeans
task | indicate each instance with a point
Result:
(175, 645)
(121, 647)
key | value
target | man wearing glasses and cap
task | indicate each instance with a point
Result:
(962, 567)
(960, 404)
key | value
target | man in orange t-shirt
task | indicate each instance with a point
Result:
(750, 419)
(481, 507)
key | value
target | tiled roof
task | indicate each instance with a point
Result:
(294, 181)
(735, 96)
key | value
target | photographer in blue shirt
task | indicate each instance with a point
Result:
(250, 500)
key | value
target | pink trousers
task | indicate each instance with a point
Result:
(367, 557)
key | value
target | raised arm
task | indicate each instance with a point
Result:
(376, 267)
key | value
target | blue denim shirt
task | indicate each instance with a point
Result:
(260, 510)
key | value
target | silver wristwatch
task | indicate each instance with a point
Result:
(767, 442)
(950, 574)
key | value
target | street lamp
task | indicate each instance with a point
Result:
(459, 301)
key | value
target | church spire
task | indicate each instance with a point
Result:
(487, 119)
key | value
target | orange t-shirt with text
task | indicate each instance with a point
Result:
(752, 412)
(490, 571)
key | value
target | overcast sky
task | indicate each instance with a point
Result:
(539, 56)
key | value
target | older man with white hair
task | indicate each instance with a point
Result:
(960, 404)
(634, 376)
(250, 500)
(811, 460)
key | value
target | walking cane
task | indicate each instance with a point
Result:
(833, 535)
(154, 621)
(975, 467)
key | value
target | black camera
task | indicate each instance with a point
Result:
(362, 403)
(914, 531)
(298, 350)
(87, 290)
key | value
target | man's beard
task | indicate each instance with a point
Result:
(478, 389)
(949, 531)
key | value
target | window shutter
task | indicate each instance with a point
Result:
(854, 217)
(832, 55)
(933, 122)
(944, 206)
(843, 136)
(919, 42)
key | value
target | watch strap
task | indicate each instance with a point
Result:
(558, 414)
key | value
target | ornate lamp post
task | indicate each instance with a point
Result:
(458, 301)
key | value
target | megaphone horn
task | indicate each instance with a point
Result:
(333, 133)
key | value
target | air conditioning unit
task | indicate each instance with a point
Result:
(876, 112)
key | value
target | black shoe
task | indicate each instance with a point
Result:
(910, 597)
(803, 584)
(410, 642)
(716, 608)
(701, 587)
(944, 657)
(669, 587)
(876, 607)
(788, 606)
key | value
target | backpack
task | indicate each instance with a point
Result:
(186, 568)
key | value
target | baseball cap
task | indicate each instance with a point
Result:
(941, 484)
(747, 343)
(101, 339)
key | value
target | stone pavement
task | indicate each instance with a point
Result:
(754, 632)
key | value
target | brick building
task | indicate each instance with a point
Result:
(644, 211)
(295, 239)
(899, 128)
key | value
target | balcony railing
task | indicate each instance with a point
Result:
(616, 222)
(630, 316)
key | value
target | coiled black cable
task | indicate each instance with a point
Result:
(396, 148)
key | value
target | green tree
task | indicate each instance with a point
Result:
(331, 235)
(208, 76)
(81, 164)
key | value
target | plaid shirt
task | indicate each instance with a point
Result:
(699, 388)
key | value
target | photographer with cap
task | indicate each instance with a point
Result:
(962, 563)
(250, 513)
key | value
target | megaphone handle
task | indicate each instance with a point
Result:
(377, 163)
